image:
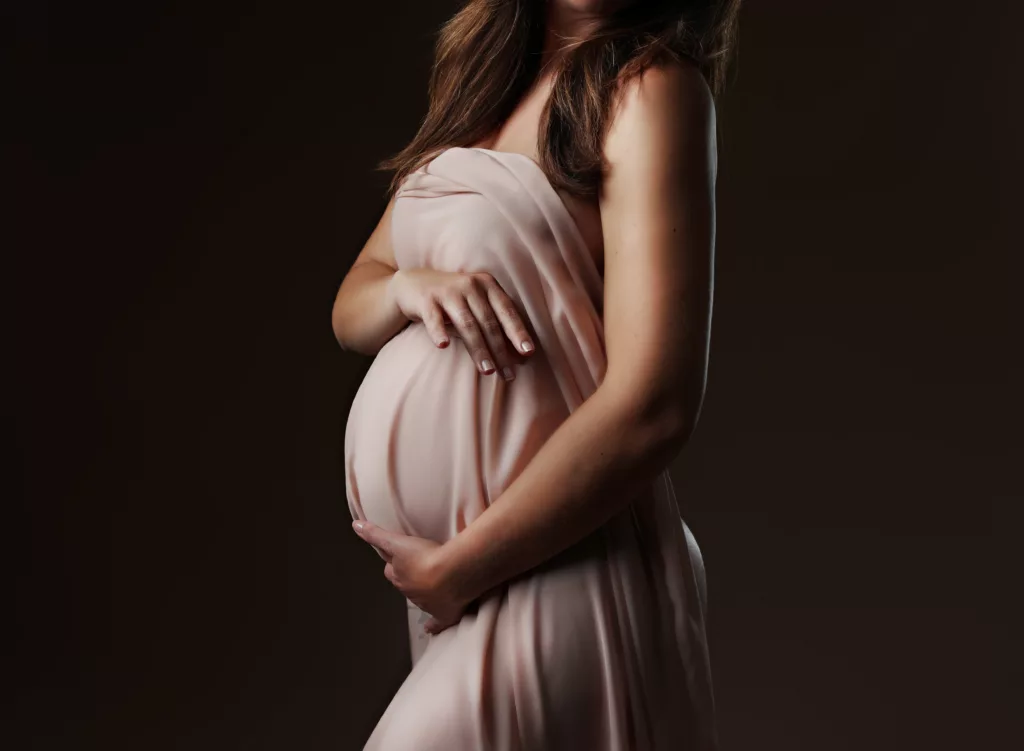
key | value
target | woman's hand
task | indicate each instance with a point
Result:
(414, 565)
(482, 313)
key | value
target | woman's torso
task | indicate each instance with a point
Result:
(430, 441)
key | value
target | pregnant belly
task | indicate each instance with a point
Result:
(430, 441)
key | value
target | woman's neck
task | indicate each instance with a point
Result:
(564, 28)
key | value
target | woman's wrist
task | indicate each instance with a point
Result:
(452, 576)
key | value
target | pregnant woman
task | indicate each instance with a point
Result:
(538, 296)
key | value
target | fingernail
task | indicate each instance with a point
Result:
(527, 345)
(507, 372)
(488, 368)
(358, 526)
(443, 343)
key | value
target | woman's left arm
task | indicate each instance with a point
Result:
(658, 218)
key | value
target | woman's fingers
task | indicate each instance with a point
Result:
(433, 319)
(436, 625)
(492, 329)
(485, 318)
(465, 323)
(511, 322)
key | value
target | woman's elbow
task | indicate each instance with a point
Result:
(337, 327)
(343, 334)
(673, 428)
(669, 422)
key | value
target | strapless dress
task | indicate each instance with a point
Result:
(602, 647)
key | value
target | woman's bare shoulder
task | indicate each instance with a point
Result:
(670, 87)
(663, 109)
(664, 116)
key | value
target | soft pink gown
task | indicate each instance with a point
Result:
(603, 647)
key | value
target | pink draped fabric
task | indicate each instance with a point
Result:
(600, 648)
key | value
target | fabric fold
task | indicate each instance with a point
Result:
(602, 647)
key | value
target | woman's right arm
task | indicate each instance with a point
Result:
(365, 315)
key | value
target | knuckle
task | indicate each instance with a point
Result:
(445, 305)
(492, 325)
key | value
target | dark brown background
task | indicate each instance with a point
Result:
(190, 185)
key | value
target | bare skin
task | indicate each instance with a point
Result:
(374, 303)
(657, 210)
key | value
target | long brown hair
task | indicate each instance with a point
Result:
(488, 55)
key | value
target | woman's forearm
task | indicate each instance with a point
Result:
(591, 467)
(365, 315)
